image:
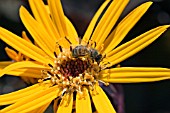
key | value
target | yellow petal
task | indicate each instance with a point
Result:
(38, 32)
(66, 104)
(29, 80)
(5, 63)
(92, 24)
(15, 96)
(47, 9)
(130, 48)
(72, 34)
(24, 36)
(83, 104)
(33, 101)
(125, 26)
(11, 53)
(23, 46)
(134, 74)
(101, 101)
(28, 72)
(17, 65)
(58, 16)
(134, 80)
(59, 20)
(41, 109)
(55, 105)
(108, 21)
(25, 72)
(40, 12)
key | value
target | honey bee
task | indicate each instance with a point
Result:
(82, 50)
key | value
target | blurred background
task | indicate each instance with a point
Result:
(138, 98)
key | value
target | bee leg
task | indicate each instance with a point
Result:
(104, 56)
(95, 44)
(89, 43)
(71, 49)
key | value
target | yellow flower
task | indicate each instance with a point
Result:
(66, 67)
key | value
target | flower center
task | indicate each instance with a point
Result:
(73, 67)
(72, 74)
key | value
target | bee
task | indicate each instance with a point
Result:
(82, 50)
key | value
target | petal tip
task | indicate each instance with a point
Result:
(148, 4)
(166, 26)
(21, 8)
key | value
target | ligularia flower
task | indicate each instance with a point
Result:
(68, 69)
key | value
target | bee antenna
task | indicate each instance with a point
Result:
(79, 40)
(68, 40)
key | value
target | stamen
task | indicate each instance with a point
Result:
(50, 65)
(55, 54)
(60, 48)
(68, 40)
(49, 73)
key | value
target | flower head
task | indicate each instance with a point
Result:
(68, 69)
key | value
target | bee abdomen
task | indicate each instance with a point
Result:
(80, 51)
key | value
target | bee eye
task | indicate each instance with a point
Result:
(98, 58)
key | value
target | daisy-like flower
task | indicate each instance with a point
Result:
(68, 70)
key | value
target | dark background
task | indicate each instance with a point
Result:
(139, 98)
